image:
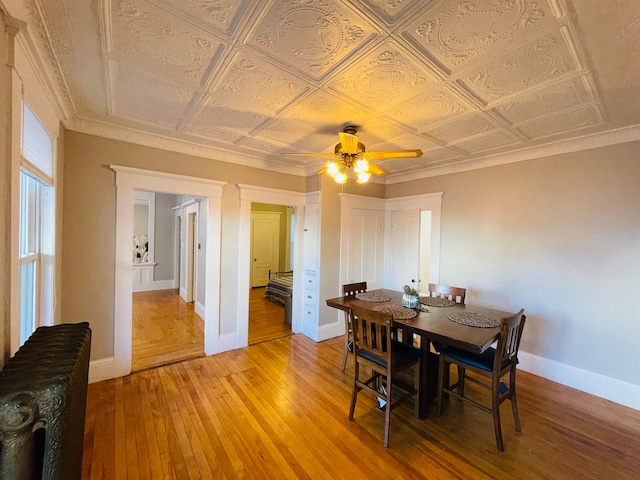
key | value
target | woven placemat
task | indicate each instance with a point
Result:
(372, 297)
(398, 311)
(437, 302)
(472, 319)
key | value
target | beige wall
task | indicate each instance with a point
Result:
(89, 220)
(559, 236)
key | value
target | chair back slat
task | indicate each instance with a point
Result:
(456, 294)
(372, 332)
(350, 289)
(510, 334)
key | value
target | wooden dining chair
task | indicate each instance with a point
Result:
(492, 364)
(349, 290)
(375, 349)
(456, 294)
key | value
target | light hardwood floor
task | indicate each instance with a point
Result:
(279, 409)
(266, 319)
(166, 329)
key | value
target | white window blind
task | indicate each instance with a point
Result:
(37, 144)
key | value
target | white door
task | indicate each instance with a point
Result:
(265, 246)
(362, 247)
(404, 249)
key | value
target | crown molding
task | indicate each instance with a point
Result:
(139, 137)
(586, 142)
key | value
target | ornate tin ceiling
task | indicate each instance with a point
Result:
(245, 81)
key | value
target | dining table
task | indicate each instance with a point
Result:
(431, 325)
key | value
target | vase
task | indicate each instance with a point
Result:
(410, 301)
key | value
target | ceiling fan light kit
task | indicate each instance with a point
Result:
(352, 156)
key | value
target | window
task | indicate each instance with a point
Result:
(36, 251)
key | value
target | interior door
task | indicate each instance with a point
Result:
(362, 247)
(404, 248)
(265, 246)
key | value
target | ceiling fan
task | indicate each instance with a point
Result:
(351, 154)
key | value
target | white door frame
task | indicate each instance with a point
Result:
(130, 179)
(248, 195)
(429, 201)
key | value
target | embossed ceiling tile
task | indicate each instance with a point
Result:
(423, 111)
(544, 60)
(256, 86)
(457, 31)
(321, 108)
(383, 78)
(216, 137)
(215, 113)
(439, 155)
(220, 15)
(141, 32)
(407, 141)
(377, 130)
(545, 101)
(468, 126)
(488, 142)
(141, 95)
(284, 131)
(563, 123)
(311, 36)
(260, 145)
(391, 11)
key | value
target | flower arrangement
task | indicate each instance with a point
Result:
(412, 292)
(140, 248)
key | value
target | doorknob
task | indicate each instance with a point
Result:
(255, 259)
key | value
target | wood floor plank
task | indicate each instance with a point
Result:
(279, 409)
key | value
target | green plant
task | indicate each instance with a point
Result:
(410, 291)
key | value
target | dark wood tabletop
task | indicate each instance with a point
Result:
(434, 324)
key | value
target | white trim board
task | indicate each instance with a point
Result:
(127, 180)
(249, 194)
(601, 386)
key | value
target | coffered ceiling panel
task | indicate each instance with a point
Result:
(422, 112)
(141, 33)
(457, 32)
(149, 98)
(527, 67)
(547, 100)
(562, 123)
(254, 85)
(312, 37)
(383, 78)
(465, 81)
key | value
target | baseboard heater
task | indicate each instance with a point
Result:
(43, 396)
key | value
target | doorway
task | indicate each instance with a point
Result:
(270, 315)
(167, 324)
(128, 179)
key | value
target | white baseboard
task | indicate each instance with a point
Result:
(199, 309)
(159, 285)
(331, 330)
(102, 369)
(609, 388)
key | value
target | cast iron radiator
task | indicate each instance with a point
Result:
(43, 395)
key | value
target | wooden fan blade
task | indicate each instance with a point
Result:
(391, 154)
(376, 170)
(349, 142)
(323, 155)
(321, 171)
